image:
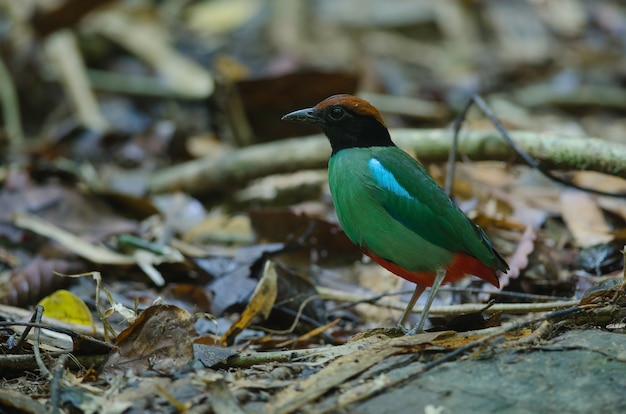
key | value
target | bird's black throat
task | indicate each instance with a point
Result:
(357, 132)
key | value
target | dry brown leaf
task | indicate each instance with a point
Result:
(584, 219)
(161, 338)
(261, 302)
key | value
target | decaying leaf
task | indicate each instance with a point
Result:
(584, 218)
(260, 304)
(160, 339)
(601, 259)
(298, 306)
(606, 288)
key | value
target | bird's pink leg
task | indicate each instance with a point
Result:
(439, 278)
(419, 289)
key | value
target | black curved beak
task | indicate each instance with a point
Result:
(302, 115)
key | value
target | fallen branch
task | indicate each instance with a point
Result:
(236, 167)
(389, 303)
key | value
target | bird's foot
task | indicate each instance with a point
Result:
(405, 331)
(414, 331)
(401, 328)
(419, 326)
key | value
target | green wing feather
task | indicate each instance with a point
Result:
(428, 211)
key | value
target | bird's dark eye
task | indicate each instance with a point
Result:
(336, 113)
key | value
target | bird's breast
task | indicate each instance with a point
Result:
(349, 179)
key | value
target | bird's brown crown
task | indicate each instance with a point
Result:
(352, 103)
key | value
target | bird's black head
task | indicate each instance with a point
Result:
(347, 121)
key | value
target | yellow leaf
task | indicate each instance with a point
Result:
(67, 307)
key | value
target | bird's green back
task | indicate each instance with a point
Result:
(387, 202)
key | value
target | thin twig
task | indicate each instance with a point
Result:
(458, 122)
(55, 384)
(523, 154)
(26, 362)
(25, 333)
(42, 367)
(299, 314)
(311, 334)
(383, 301)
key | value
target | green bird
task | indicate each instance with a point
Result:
(390, 206)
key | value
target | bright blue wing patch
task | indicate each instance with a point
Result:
(386, 180)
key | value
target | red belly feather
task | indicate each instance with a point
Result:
(461, 266)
